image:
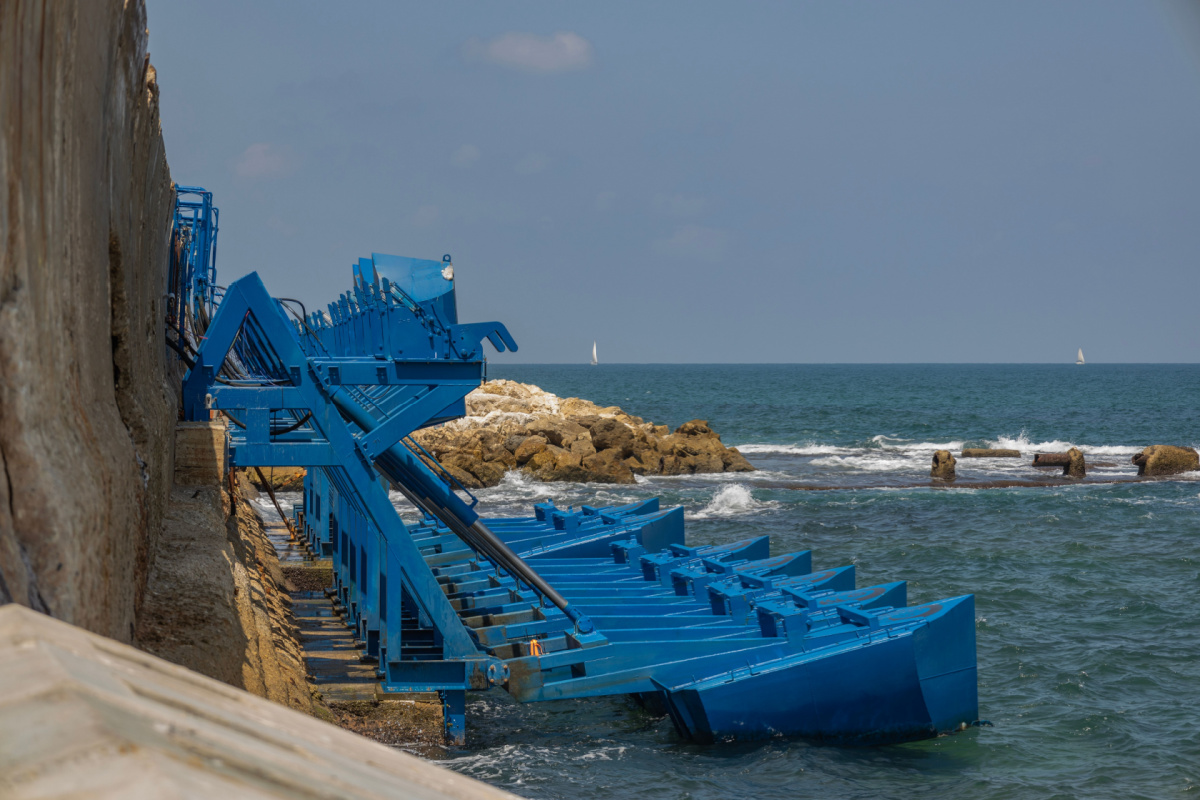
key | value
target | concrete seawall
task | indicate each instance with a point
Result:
(82, 716)
(87, 409)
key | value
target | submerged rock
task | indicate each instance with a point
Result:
(511, 425)
(1165, 459)
(943, 466)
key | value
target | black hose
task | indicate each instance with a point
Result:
(234, 419)
(183, 356)
(303, 310)
(307, 416)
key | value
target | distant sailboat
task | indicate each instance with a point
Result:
(1079, 358)
(594, 361)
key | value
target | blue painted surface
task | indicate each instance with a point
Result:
(564, 604)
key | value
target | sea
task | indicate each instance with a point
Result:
(1087, 593)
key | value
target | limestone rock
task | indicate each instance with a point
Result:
(512, 425)
(607, 466)
(530, 448)
(943, 466)
(734, 461)
(1051, 459)
(281, 479)
(576, 407)
(587, 420)
(489, 473)
(611, 434)
(556, 464)
(674, 465)
(696, 427)
(1165, 459)
(583, 447)
(556, 430)
(705, 463)
(501, 456)
(989, 452)
(462, 476)
(652, 463)
(1075, 467)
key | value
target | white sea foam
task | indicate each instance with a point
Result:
(885, 442)
(718, 477)
(733, 500)
(811, 449)
(1021, 442)
(869, 463)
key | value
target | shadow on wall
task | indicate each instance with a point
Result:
(87, 396)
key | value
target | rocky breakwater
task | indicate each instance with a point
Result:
(512, 425)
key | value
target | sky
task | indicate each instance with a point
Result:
(698, 182)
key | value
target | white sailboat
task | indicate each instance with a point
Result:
(594, 361)
(1079, 358)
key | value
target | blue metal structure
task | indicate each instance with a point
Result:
(192, 291)
(730, 641)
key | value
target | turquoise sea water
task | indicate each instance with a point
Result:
(1087, 596)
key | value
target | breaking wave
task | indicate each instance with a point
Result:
(794, 449)
(894, 443)
(1021, 442)
(734, 500)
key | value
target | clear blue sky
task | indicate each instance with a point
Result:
(716, 182)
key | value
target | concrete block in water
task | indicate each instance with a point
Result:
(200, 451)
(1075, 467)
(1051, 459)
(989, 452)
(85, 716)
(943, 465)
(1165, 459)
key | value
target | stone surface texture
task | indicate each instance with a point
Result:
(217, 600)
(943, 465)
(511, 425)
(84, 716)
(280, 479)
(87, 408)
(1075, 466)
(200, 453)
(1165, 459)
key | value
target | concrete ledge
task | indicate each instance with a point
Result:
(85, 716)
(200, 450)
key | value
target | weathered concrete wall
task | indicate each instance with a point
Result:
(217, 601)
(86, 410)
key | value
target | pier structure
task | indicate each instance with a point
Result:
(729, 640)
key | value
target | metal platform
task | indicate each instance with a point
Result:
(729, 640)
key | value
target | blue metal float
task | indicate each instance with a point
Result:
(729, 640)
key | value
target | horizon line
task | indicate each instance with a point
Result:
(845, 363)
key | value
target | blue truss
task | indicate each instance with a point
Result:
(730, 641)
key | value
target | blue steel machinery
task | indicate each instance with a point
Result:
(729, 640)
